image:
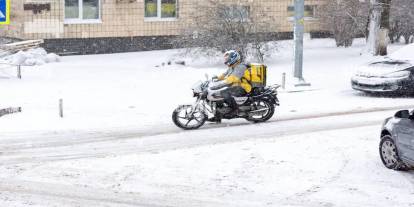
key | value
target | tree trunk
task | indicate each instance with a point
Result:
(384, 28)
(367, 26)
(379, 27)
(406, 38)
(383, 42)
(374, 25)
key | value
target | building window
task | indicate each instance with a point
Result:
(161, 9)
(82, 10)
(310, 12)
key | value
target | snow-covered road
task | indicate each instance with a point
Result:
(326, 161)
(76, 145)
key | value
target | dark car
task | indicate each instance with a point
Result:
(397, 141)
(393, 74)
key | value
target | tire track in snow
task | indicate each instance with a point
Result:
(54, 139)
(102, 196)
(302, 196)
(410, 178)
(183, 198)
(159, 143)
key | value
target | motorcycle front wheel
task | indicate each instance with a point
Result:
(262, 111)
(187, 118)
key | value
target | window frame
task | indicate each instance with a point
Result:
(306, 18)
(159, 13)
(80, 19)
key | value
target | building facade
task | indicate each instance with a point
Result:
(104, 26)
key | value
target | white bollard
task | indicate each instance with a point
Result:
(19, 71)
(61, 108)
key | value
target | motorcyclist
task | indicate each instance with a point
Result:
(233, 79)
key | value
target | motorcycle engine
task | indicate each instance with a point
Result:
(223, 109)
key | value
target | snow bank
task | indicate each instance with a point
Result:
(405, 53)
(31, 57)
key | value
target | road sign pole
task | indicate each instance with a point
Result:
(299, 28)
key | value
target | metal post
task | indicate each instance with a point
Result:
(298, 36)
(283, 80)
(61, 108)
(19, 71)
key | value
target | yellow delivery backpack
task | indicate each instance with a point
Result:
(256, 75)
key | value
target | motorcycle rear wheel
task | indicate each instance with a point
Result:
(269, 110)
(184, 120)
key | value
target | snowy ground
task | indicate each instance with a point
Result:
(330, 161)
(117, 146)
(127, 91)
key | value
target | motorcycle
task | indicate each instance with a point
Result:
(257, 106)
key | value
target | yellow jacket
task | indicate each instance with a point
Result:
(237, 76)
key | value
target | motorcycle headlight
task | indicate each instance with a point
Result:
(399, 74)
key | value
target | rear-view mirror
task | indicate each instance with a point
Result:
(403, 114)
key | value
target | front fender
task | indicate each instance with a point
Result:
(389, 126)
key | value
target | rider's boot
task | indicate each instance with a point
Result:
(234, 108)
(216, 118)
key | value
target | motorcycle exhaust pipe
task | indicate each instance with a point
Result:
(259, 110)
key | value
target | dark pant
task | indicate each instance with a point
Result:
(229, 93)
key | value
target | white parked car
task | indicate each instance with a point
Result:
(394, 73)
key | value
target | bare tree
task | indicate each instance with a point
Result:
(402, 20)
(218, 26)
(345, 19)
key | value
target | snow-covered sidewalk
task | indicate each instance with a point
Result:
(134, 91)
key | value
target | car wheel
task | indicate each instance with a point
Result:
(389, 154)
